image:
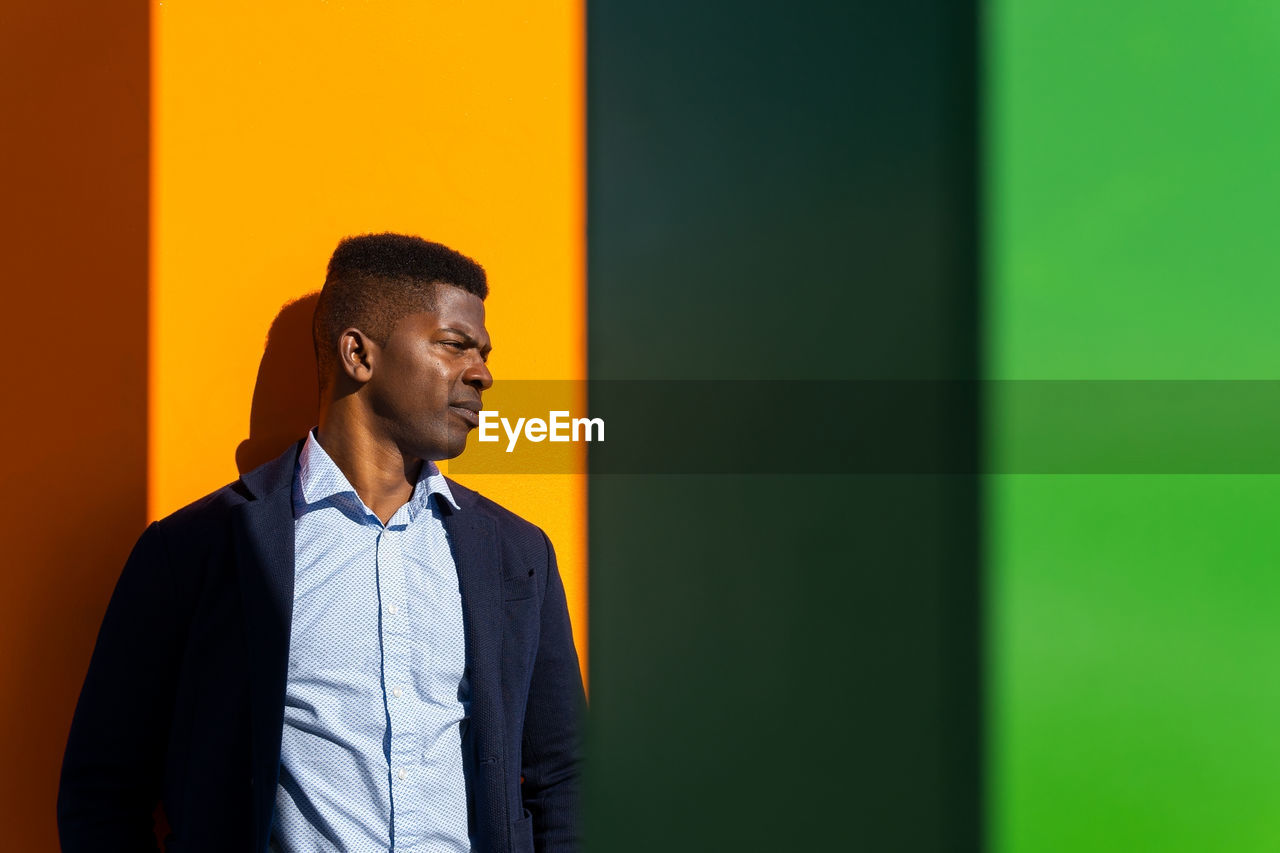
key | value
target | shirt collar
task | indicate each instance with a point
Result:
(320, 479)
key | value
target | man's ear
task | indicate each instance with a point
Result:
(357, 354)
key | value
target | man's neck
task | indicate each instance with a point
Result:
(377, 470)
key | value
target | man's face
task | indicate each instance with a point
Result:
(426, 385)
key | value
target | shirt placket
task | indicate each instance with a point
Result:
(398, 680)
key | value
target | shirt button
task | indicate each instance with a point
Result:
(392, 609)
(395, 691)
(401, 774)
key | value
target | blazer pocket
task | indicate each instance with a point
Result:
(521, 586)
(522, 834)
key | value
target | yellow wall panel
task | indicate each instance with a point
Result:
(280, 128)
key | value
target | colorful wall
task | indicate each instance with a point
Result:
(1033, 644)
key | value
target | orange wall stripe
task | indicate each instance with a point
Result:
(278, 129)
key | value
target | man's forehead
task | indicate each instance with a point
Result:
(465, 316)
(448, 299)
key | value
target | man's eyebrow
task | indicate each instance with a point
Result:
(468, 337)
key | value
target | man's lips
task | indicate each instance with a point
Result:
(469, 412)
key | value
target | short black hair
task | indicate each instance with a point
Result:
(375, 279)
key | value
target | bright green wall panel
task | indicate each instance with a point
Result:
(1133, 160)
(1133, 192)
(1135, 683)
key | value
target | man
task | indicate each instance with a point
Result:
(343, 650)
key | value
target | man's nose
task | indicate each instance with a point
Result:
(478, 376)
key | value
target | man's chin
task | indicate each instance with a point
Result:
(452, 450)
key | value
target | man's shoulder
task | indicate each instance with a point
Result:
(218, 504)
(218, 507)
(510, 526)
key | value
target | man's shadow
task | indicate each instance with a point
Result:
(286, 396)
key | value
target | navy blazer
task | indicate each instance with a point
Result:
(184, 699)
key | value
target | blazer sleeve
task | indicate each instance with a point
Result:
(113, 765)
(552, 742)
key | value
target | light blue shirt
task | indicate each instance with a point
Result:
(371, 755)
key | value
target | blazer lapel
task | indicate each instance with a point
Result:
(473, 540)
(264, 557)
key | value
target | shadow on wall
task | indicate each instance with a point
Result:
(74, 83)
(286, 396)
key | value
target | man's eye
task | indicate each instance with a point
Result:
(454, 344)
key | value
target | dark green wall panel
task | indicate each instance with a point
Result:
(783, 661)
